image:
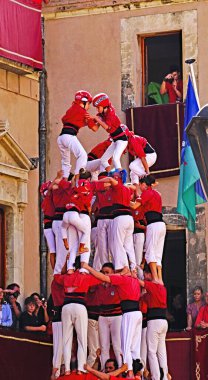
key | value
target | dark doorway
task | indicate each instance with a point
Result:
(159, 53)
(174, 277)
(2, 248)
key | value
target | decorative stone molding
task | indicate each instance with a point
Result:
(70, 8)
(14, 168)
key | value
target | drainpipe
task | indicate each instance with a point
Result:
(42, 167)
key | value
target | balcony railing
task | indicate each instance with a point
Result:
(162, 126)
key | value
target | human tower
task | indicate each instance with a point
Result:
(104, 302)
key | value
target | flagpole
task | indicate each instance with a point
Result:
(190, 63)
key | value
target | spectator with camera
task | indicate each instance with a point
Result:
(5, 311)
(28, 320)
(172, 85)
(13, 292)
(40, 308)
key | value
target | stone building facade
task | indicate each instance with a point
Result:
(19, 177)
(95, 45)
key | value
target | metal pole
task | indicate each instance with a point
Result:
(42, 169)
(190, 63)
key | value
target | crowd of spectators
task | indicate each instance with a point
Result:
(35, 316)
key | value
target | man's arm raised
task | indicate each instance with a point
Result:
(100, 276)
(106, 376)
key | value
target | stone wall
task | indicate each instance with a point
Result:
(196, 249)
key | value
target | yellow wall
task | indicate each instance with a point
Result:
(84, 52)
(19, 105)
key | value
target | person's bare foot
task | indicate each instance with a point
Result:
(82, 249)
(86, 367)
(66, 245)
(70, 271)
(67, 373)
(79, 372)
(130, 374)
(125, 271)
(54, 374)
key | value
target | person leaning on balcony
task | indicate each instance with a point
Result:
(194, 307)
(5, 311)
(202, 318)
(172, 85)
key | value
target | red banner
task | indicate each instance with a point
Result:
(20, 31)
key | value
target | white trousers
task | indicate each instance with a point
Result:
(92, 341)
(154, 242)
(131, 328)
(103, 240)
(94, 242)
(138, 240)
(68, 144)
(95, 167)
(75, 316)
(57, 344)
(115, 151)
(50, 239)
(76, 228)
(143, 352)
(110, 331)
(157, 355)
(61, 252)
(137, 169)
(121, 243)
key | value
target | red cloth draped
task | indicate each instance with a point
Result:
(29, 356)
(20, 31)
(158, 124)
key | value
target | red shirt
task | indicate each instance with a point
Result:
(60, 199)
(156, 295)
(111, 119)
(76, 286)
(202, 315)
(99, 149)
(109, 300)
(104, 198)
(76, 115)
(48, 208)
(93, 304)
(138, 214)
(136, 145)
(128, 287)
(171, 92)
(151, 200)
(57, 292)
(121, 194)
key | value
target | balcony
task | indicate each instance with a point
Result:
(162, 126)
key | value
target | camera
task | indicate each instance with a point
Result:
(8, 295)
(43, 300)
(15, 294)
(169, 80)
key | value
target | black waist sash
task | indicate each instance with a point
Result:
(153, 217)
(118, 134)
(69, 129)
(156, 313)
(128, 305)
(148, 148)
